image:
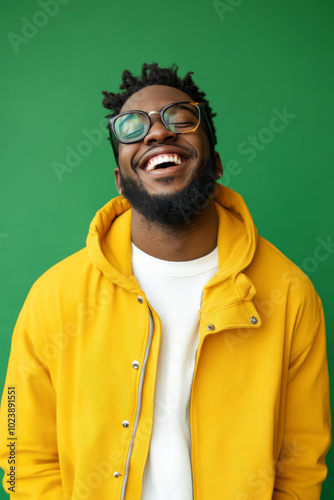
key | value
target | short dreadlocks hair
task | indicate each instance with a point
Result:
(152, 74)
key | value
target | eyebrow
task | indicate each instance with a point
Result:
(183, 105)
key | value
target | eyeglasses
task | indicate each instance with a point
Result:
(179, 117)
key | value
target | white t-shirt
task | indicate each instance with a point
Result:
(174, 290)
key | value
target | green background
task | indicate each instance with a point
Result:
(249, 56)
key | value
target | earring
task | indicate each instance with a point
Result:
(120, 191)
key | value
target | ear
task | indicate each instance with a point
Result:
(218, 165)
(118, 180)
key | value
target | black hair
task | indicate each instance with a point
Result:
(152, 74)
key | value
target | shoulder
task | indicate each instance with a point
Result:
(63, 284)
(69, 269)
(279, 270)
(283, 288)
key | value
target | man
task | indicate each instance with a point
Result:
(179, 355)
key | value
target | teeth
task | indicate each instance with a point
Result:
(157, 160)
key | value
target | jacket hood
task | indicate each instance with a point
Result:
(109, 239)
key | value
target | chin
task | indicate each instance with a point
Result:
(177, 208)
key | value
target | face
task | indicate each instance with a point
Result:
(192, 163)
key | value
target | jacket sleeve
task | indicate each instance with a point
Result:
(301, 468)
(28, 447)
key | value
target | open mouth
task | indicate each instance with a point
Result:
(162, 161)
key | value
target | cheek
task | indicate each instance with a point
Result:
(122, 151)
(205, 141)
(202, 146)
(125, 155)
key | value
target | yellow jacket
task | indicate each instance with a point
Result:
(84, 357)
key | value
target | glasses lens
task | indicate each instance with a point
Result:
(182, 117)
(131, 127)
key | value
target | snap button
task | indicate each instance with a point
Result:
(125, 423)
(253, 320)
(116, 474)
(211, 327)
(140, 299)
(135, 365)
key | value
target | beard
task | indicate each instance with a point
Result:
(177, 210)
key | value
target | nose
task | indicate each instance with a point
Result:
(158, 132)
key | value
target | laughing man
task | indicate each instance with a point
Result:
(148, 365)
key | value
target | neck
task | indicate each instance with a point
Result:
(190, 241)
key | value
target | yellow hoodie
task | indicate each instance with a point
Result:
(83, 365)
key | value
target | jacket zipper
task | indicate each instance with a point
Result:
(140, 391)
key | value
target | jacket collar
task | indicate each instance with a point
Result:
(109, 239)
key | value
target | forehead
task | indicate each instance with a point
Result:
(154, 97)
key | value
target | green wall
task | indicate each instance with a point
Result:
(253, 58)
